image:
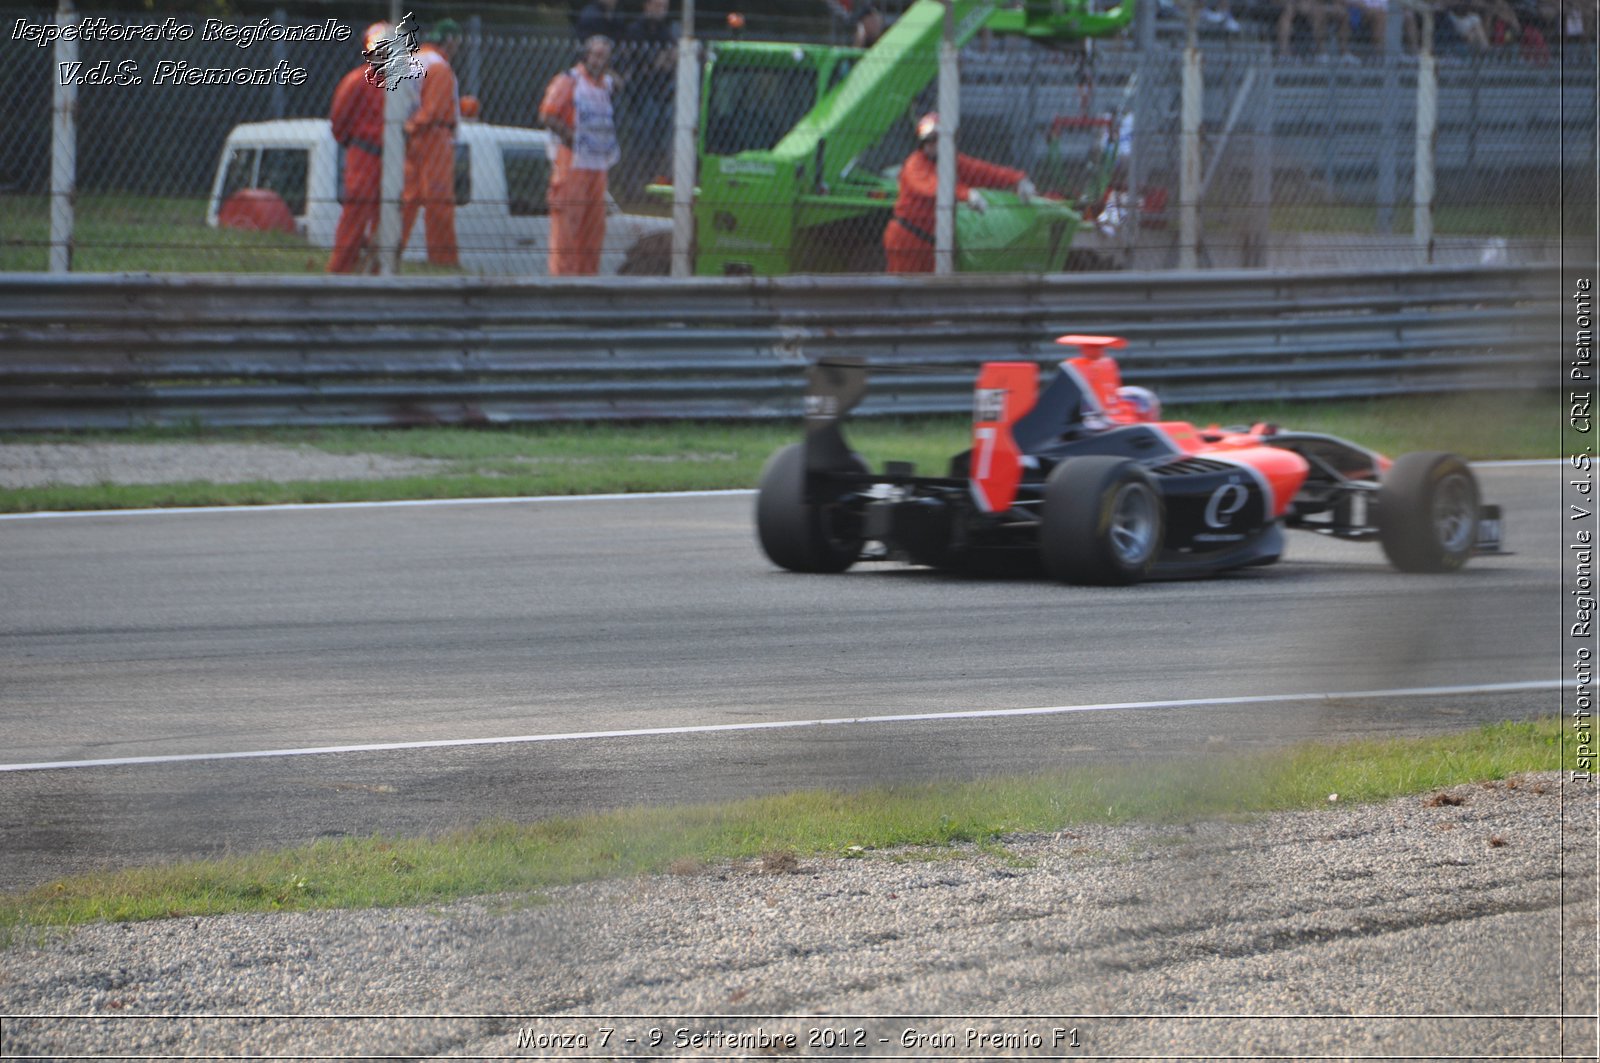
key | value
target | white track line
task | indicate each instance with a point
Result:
(779, 725)
(292, 507)
(1518, 463)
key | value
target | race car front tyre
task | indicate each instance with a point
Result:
(1103, 521)
(1428, 512)
(801, 535)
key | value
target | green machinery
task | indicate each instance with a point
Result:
(793, 144)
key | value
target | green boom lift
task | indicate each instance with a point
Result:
(785, 130)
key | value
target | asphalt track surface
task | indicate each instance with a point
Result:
(169, 635)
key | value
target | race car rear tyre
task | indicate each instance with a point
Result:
(1428, 512)
(1103, 521)
(799, 535)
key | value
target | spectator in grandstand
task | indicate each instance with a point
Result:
(1316, 14)
(1518, 24)
(1464, 19)
(577, 109)
(650, 50)
(600, 18)
(1548, 25)
(869, 24)
(1500, 22)
(1374, 15)
(357, 121)
(1578, 23)
(908, 242)
(1219, 13)
(431, 148)
(1538, 34)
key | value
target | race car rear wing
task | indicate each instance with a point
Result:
(1011, 415)
(834, 387)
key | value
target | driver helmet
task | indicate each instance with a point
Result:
(1141, 403)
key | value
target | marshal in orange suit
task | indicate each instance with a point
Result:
(577, 110)
(908, 238)
(431, 148)
(357, 121)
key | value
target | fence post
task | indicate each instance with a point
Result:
(64, 143)
(1143, 121)
(1427, 121)
(1189, 149)
(474, 73)
(944, 229)
(685, 118)
(280, 54)
(1261, 167)
(392, 183)
(1140, 121)
(1025, 123)
(1389, 149)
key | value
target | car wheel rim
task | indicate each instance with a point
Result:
(1454, 513)
(1133, 524)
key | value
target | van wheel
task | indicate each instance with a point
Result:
(650, 256)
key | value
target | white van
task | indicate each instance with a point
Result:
(502, 213)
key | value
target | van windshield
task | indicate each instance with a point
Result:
(241, 171)
(284, 171)
(281, 170)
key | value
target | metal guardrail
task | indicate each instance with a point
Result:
(95, 351)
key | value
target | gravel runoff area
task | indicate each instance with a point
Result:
(1420, 927)
(86, 464)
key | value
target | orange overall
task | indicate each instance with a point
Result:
(431, 160)
(578, 180)
(908, 238)
(357, 120)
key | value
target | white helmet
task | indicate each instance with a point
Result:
(1141, 402)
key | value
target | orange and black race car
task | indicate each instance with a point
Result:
(1083, 478)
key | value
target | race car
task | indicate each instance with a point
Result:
(1085, 480)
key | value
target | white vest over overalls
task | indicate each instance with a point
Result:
(594, 134)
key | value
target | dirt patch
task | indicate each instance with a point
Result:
(88, 464)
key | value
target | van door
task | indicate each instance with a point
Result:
(527, 176)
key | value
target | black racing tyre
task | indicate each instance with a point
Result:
(1428, 512)
(1103, 521)
(796, 534)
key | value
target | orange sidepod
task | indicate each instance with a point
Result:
(1284, 471)
(1183, 434)
(1005, 392)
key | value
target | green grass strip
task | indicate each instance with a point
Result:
(564, 459)
(501, 857)
(127, 232)
(117, 231)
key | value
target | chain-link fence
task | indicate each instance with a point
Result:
(1272, 144)
(170, 131)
